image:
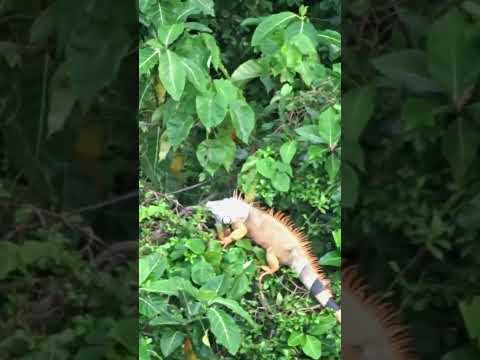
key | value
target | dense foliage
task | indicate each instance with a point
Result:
(411, 165)
(66, 113)
(192, 290)
(236, 95)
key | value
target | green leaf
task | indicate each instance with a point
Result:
(170, 341)
(213, 153)
(196, 75)
(124, 332)
(9, 258)
(172, 74)
(252, 21)
(44, 25)
(167, 34)
(196, 26)
(143, 349)
(226, 90)
(202, 271)
(357, 109)
(167, 318)
(460, 146)
(196, 245)
(406, 68)
(212, 46)
(300, 26)
(243, 119)
(287, 151)
(281, 181)
(303, 10)
(468, 352)
(325, 325)
(62, 100)
(235, 307)
(291, 56)
(350, 184)
(329, 127)
(453, 59)
(206, 6)
(353, 154)
(332, 166)
(226, 331)
(247, 71)
(270, 24)
(312, 347)
(178, 128)
(283, 167)
(310, 71)
(471, 317)
(167, 286)
(151, 264)
(472, 8)
(337, 238)
(310, 133)
(94, 54)
(330, 37)
(164, 146)
(266, 167)
(316, 152)
(304, 44)
(144, 4)
(331, 258)
(417, 113)
(296, 338)
(218, 284)
(240, 287)
(206, 295)
(211, 110)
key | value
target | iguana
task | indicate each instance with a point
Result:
(372, 329)
(284, 244)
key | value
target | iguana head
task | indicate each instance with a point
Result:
(229, 210)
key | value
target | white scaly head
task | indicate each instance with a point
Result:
(229, 210)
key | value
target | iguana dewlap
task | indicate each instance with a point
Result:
(284, 244)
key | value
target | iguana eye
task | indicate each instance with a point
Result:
(226, 220)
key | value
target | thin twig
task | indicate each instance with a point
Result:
(101, 204)
(188, 188)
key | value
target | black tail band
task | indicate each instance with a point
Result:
(317, 287)
(331, 304)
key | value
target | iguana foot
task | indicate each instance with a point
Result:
(239, 231)
(266, 271)
(225, 241)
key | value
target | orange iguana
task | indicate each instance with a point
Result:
(284, 244)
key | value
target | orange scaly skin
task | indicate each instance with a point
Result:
(285, 245)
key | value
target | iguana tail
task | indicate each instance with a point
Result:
(315, 281)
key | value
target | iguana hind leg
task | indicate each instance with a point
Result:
(273, 265)
(239, 232)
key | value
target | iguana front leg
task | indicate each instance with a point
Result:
(239, 231)
(273, 265)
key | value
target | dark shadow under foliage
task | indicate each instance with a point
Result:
(411, 175)
(68, 185)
